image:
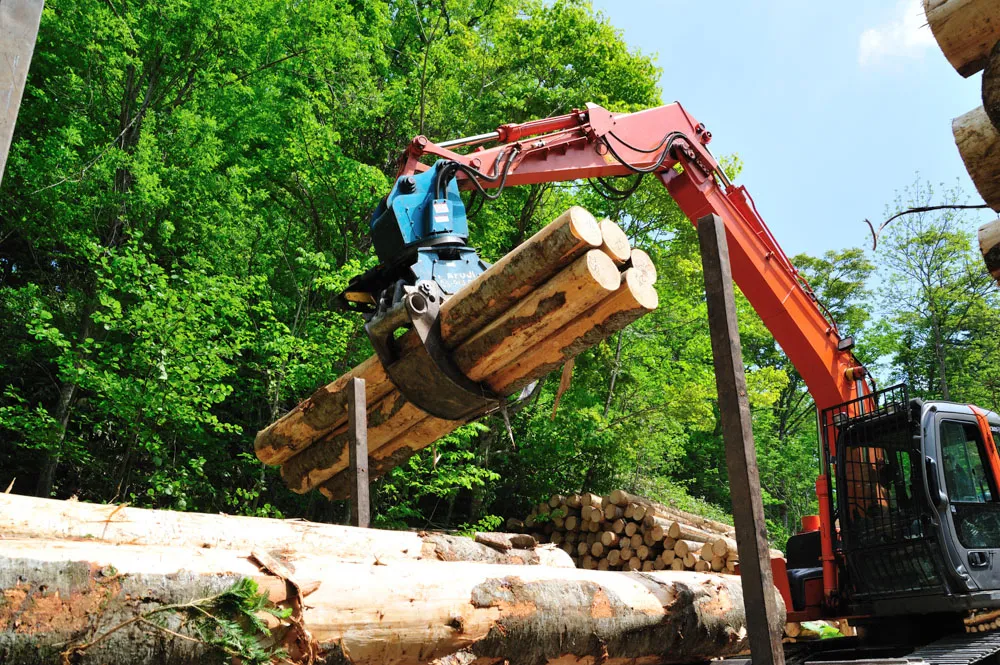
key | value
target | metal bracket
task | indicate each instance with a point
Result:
(426, 375)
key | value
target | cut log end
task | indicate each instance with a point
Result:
(614, 242)
(979, 144)
(966, 31)
(989, 245)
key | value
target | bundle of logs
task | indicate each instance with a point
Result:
(114, 585)
(968, 32)
(562, 291)
(622, 531)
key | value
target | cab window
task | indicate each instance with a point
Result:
(972, 494)
(964, 467)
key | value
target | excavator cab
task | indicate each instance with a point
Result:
(916, 504)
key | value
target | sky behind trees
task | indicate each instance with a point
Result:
(833, 108)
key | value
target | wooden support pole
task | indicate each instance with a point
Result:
(744, 481)
(18, 30)
(357, 427)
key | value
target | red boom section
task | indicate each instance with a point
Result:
(597, 143)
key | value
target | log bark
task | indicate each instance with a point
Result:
(966, 31)
(979, 144)
(323, 412)
(23, 517)
(392, 454)
(62, 593)
(989, 245)
(991, 86)
(558, 302)
(325, 458)
(518, 273)
(631, 301)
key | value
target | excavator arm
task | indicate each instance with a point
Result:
(669, 144)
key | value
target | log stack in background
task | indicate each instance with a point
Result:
(562, 291)
(623, 531)
(968, 32)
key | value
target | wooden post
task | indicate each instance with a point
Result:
(18, 31)
(357, 427)
(741, 459)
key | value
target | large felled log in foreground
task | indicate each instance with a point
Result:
(966, 31)
(30, 517)
(979, 144)
(65, 594)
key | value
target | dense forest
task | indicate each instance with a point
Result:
(190, 186)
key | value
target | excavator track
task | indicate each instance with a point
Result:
(962, 649)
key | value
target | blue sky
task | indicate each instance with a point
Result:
(832, 107)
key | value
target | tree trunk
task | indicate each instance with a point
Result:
(29, 517)
(47, 476)
(979, 144)
(60, 595)
(939, 355)
(966, 31)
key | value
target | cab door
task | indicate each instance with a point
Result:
(971, 514)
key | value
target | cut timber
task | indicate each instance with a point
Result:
(631, 301)
(654, 510)
(392, 454)
(614, 242)
(979, 144)
(514, 276)
(406, 613)
(989, 245)
(329, 455)
(558, 302)
(48, 519)
(680, 530)
(991, 87)
(966, 31)
(323, 412)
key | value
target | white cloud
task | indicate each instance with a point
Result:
(905, 37)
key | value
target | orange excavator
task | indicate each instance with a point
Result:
(908, 491)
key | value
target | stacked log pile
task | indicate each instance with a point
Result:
(623, 531)
(105, 584)
(968, 32)
(564, 290)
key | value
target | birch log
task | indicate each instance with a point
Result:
(60, 594)
(23, 517)
(979, 144)
(966, 31)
